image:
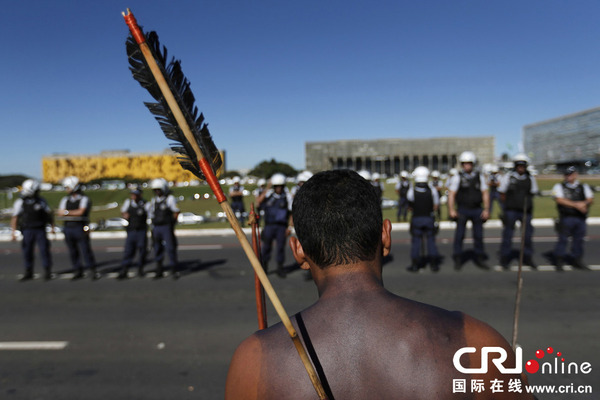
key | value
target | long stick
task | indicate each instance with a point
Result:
(261, 311)
(519, 278)
(225, 206)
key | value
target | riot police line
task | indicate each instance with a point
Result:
(470, 196)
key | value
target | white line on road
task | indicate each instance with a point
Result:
(181, 247)
(33, 345)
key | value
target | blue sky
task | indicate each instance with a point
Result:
(272, 75)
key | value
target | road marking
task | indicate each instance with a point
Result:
(181, 247)
(33, 345)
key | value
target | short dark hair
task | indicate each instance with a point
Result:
(337, 218)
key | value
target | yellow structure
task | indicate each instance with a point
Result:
(115, 164)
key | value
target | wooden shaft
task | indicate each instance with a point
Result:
(209, 174)
(519, 278)
(258, 289)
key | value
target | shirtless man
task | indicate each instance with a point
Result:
(370, 343)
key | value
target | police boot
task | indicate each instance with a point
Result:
(141, 272)
(159, 270)
(457, 262)
(414, 266)
(281, 271)
(560, 263)
(27, 276)
(95, 274)
(175, 273)
(579, 264)
(504, 263)
(123, 274)
(78, 275)
(435, 264)
(480, 262)
(529, 261)
(48, 276)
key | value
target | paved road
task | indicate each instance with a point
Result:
(173, 339)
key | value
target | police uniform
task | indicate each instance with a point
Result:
(237, 201)
(161, 210)
(494, 182)
(469, 188)
(572, 222)
(518, 191)
(32, 214)
(437, 184)
(402, 189)
(137, 234)
(423, 199)
(277, 209)
(76, 233)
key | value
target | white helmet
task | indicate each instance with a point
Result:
(375, 176)
(453, 171)
(404, 174)
(365, 174)
(494, 169)
(435, 174)
(278, 179)
(304, 176)
(467, 156)
(262, 182)
(160, 183)
(520, 159)
(236, 179)
(71, 182)
(421, 174)
(29, 187)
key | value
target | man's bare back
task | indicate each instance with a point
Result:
(371, 343)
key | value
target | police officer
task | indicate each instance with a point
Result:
(573, 200)
(163, 212)
(31, 214)
(493, 181)
(424, 201)
(437, 184)
(236, 194)
(377, 184)
(134, 211)
(402, 189)
(74, 209)
(516, 191)
(300, 180)
(468, 191)
(276, 202)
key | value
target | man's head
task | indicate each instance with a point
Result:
(467, 160)
(337, 217)
(71, 183)
(520, 162)
(571, 174)
(159, 186)
(278, 182)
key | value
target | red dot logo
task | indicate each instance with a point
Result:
(558, 354)
(532, 366)
(549, 350)
(540, 354)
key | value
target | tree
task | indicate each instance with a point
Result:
(267, 168)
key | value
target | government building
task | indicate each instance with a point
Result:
(568, 140)
(392, 156)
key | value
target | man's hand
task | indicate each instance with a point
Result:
(453, 214)
(485, 215)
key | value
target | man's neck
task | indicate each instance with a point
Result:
(348, 280)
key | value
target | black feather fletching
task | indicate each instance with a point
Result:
(182, 92)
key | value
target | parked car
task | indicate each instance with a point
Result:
(114, 223)
(388, 203)
(189, 218)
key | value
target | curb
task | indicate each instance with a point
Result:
(397, 226)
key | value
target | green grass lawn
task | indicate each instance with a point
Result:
(544, 206)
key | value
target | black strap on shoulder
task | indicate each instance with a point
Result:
(313, 356)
